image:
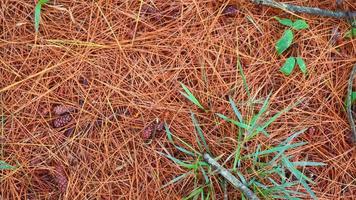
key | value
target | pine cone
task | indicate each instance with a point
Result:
(62, 121)
(62, 109)
(61, 179)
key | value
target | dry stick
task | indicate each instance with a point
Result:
(307, 10)
(229, 177)
(348, 104)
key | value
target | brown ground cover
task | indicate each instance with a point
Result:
(115, 66)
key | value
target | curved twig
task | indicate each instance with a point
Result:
(229, 177)
(307, 10)
(348, 104)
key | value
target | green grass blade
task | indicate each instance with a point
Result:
(244, 82)
(5, 166)
(169, 133)
(38, 13)
(276, 116)
(236, 111)
(177, 179)
(178, 162)
(299, 175)
(189, 95)
(278, 149)
(194, 193)
(307, 164)
(259, 114)
(238, 124)
(200, 132)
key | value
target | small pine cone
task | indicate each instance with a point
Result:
(160, 126)
(62, 109)
(62, 121)
(61, 179)
(147, 132)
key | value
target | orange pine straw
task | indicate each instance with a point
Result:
(139, 67)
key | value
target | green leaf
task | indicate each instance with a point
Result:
(302, 65)
(238, 124)
(288, 66)
(353, 98)
(169, 134)
(299, 175)
(179, 162)
(38, 13)
(200, 132)
(307, 163)
(177, 179)
(300, 25)
(190, 96)
(284, 42)
(278, 149)
(351, 33)
(5, 166)
(194, 193)
(284, 21)
(236, 111)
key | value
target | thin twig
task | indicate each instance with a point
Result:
(229, 177)
(307, 10)
(348, 104)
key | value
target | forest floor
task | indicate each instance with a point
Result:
(80, 96)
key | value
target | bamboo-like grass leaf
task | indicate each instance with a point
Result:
(235, 109)
(38, 8)
(194, 193)
(307, 164)
(189, 95)
(299, 175)
(6, 166)
(200, 133)
(177, 179)
(179, 162)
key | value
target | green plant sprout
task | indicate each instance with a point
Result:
(268, 168)
(38, 8)
(286, 41)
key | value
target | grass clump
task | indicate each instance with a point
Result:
(269, 171)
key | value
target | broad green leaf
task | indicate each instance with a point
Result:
(5, 166)
(300, 25)
(236, 111)
(351, 33)
(301, 64)
(200, 133)
(288, 66)
(284, 42)
(191, 97)
(284, 21)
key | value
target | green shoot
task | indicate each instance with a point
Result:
(38, 8)
(5, 166)
(189, 95)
